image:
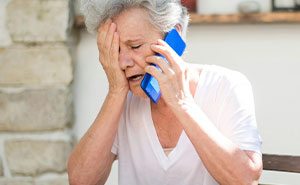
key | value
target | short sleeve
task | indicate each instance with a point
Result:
(115, 145)
(237, 119)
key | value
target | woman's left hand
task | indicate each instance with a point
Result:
(173, 79)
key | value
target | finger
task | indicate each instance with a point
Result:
(169, 54)
(152, 70)
(108, 21)
(115, 49)
(187, 79)
(164, 49)
(109, 36)
(160, 62)
(102, 31)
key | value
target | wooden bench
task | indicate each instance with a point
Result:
(283, 163)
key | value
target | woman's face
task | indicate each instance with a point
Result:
(136, 36)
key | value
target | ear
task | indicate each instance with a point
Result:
(177, 27)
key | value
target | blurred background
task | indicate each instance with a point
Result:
(52, 84)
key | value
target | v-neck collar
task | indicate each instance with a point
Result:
(166, 161)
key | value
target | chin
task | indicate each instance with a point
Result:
(138, 91)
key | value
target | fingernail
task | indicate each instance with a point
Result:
(108, 21)
(153, 46)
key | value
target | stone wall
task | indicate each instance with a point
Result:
(35, 97)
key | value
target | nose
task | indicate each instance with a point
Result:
(125, 60)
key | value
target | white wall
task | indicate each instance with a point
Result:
(268, 54)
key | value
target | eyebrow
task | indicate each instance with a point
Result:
(132, 41)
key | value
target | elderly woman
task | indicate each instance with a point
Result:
(202, 130)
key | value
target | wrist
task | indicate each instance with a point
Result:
(186, 110)
(116, 98)
(184, 104)
(118, 91)
(117, 95)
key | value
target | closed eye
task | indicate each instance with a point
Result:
(136, 47)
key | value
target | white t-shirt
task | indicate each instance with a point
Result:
(225, 96)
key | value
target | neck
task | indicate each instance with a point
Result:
(160, 106)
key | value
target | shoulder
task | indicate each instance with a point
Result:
(218, 83)
(232, 87)
(223, 77)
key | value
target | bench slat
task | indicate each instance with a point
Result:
(281, 163)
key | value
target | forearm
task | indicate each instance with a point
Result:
(222, 158)
(90, 158)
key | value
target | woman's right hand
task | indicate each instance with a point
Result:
(108, 45)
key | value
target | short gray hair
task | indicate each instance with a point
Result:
(164, 14)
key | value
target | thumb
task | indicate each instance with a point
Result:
(186, 79)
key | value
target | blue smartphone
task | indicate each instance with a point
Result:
(149, 84)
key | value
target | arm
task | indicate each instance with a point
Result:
(91, 160)
(225, 161)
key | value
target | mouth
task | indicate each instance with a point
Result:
(135, 78)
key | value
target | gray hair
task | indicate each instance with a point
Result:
(164, 14)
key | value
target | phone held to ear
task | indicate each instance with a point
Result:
(149, 84)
